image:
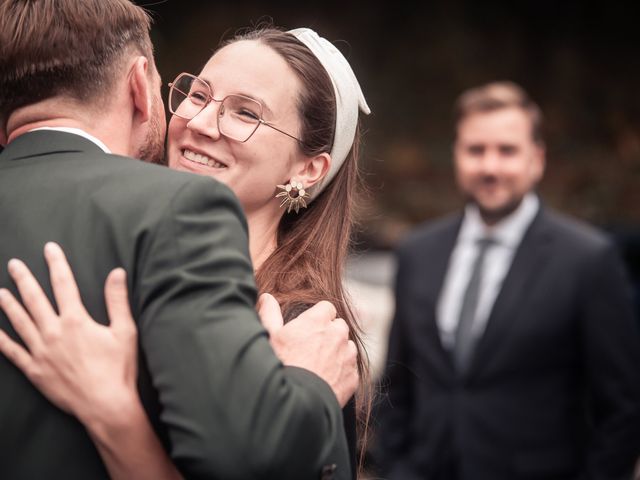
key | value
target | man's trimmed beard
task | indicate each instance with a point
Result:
(152, 150)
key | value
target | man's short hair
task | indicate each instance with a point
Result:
(496, 96)
(65, 47)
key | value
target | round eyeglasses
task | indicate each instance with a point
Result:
(238, 116)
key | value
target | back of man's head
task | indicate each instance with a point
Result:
(65, 47)
(497, 96)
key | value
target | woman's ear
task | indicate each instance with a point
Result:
(140, 89)
(312, 169)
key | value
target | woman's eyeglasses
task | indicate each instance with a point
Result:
(238, 117)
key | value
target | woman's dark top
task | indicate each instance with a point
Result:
(349, 410)
(349, 418)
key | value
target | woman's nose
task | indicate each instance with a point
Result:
(206, 121)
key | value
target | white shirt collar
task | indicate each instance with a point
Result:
(508, 231)
(77, 131)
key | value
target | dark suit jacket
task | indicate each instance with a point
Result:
(213, 387)
(553, 390)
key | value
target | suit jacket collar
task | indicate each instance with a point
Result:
(78, 131)
(437, 268)
(45, 142)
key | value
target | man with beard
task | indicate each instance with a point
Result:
(79, 94)
(514, 352)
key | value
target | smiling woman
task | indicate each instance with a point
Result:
(286, 81)
(238, 75)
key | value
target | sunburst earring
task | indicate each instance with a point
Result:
(293, 196)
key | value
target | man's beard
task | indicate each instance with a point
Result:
(152, 150)
(493, 216)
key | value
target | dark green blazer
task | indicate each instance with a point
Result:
(218, 397)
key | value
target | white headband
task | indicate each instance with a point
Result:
(349, 99)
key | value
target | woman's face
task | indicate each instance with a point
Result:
(254, 168)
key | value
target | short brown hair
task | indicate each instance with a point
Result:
(496, 96)
(65, 47)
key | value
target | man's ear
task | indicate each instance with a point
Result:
(312, 169)
(140, 89)
(540, 161)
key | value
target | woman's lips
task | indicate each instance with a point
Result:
(201, 159)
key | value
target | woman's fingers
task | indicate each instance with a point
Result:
(321, 312)
(270, 313)
(20, 319)
(33, 297)
(117, 299)
(15, 353)
(63, 283)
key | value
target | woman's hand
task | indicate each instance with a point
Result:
(84, 368)
(315, 340)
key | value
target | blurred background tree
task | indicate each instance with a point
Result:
(578, 60)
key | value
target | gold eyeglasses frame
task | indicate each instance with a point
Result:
(211, 98)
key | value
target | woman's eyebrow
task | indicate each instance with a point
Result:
(264, 104)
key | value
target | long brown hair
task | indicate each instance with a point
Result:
(307, 264)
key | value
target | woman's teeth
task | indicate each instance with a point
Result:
(201, 159)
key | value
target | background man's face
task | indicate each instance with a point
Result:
(497, 161)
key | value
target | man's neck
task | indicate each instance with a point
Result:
(55, 113)
(49, 123)
(510, 228)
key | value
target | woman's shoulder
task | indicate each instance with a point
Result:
(294, 310)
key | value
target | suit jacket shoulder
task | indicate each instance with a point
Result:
(574, 232)
(430, 234)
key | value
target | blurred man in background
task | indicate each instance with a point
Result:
(514, 351)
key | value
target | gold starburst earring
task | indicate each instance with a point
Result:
(293, 196)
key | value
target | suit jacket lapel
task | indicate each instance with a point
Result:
(437, 269)
(530, 256)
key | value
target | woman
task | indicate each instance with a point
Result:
(274, 115)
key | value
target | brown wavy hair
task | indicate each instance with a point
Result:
(307, 264)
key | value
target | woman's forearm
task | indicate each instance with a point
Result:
(128, 444)
(86, 369)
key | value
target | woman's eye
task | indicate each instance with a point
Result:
(249, 114)
(198, 97)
